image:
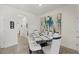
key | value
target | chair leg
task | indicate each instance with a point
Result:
(30, 51)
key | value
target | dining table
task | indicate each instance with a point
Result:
(40, 42)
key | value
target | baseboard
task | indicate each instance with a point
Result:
(8, 45)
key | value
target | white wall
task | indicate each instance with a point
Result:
(1, 30)
(77, 28)
(33, 23)
(8, 37)
(69, 14)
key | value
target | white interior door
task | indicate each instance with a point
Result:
(22, 26)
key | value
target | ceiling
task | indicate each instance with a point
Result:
(36, 8)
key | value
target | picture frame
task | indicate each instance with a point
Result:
(11, 24)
